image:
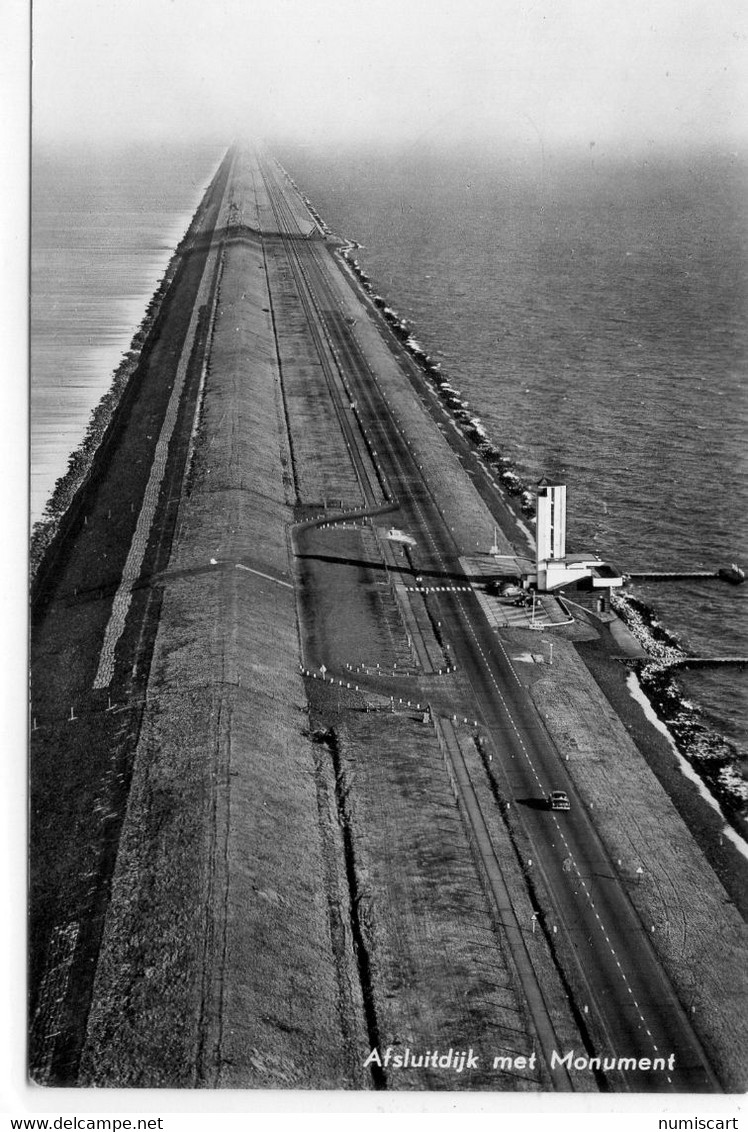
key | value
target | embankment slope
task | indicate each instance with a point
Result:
(217, 966)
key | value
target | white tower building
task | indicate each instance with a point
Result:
(554, 567)
(551, 521)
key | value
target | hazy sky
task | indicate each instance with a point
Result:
(613, 72)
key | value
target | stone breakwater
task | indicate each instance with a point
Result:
(321, 224)
(451, 398)
(714, 758)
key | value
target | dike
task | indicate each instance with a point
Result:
(216, 947)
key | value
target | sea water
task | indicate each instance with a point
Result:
(104, 223)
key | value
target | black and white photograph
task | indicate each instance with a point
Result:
(387, 636)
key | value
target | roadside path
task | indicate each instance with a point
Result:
(136, 555)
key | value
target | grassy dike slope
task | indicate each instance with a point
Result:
(220, 864)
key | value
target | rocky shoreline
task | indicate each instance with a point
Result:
(714, 758)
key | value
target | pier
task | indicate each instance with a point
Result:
(733, 575)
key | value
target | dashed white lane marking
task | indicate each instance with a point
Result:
(425, 526)
(563, 838)
(566, 844)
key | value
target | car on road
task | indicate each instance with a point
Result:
(558, 800)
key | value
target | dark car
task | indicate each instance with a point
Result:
(558, 800)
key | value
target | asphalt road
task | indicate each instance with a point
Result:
(625, 997)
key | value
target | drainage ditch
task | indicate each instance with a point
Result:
(328, 739)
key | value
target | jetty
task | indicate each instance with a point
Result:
(732, 575)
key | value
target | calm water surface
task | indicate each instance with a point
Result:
(104, 225)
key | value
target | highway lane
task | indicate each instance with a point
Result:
(373, 490)
(614, 961)
(313, 288)
(614, 958)
(634, 1010)
(624, 996)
